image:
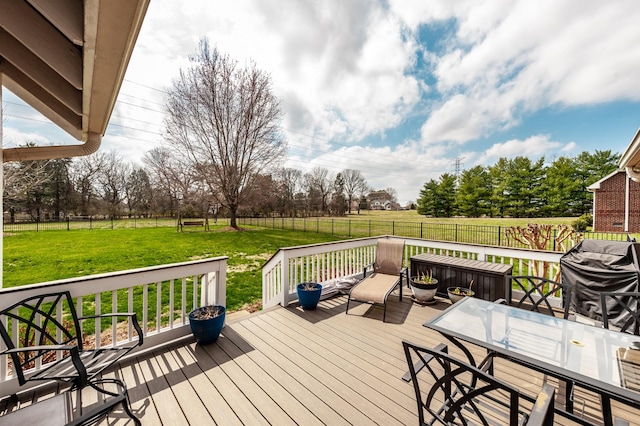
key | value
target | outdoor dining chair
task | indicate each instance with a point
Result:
(620, 311)
(450, 391)
(536, 294)
(45, 331)
(387, 274)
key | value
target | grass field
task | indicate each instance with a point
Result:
(413, 216)
(33, 257)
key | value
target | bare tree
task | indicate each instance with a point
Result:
(290, 182)
(393, 194)
(113, 181)
(172, 177)
(354, 185)
(224, 119)
(138, 192)
(84, 172)
(319, 184)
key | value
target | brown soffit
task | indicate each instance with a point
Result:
(67, 59)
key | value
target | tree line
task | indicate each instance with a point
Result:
(104, 185)
(519, 187)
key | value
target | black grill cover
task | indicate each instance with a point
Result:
(593, 266)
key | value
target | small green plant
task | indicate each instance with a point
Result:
(461, 291)
(425, 277)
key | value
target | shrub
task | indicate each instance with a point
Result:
(583, 222)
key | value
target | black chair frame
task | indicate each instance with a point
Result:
(626, 301)
(460, 392)
(41, 334)
(537, 291)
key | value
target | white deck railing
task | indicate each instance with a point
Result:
(328, 261)
(162, 296)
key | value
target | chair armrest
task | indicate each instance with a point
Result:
(501, 301)
(364, 273)
(132, 315)
(39, 348)
(404, 271)
(543, 409)
(419, 365)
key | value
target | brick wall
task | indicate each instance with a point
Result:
(610, 205)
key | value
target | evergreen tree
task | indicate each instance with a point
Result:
(473, 196)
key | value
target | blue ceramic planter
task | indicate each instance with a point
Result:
(309, 298)
(206, 330)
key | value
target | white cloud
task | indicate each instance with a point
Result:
(514, 59)
(534, 146)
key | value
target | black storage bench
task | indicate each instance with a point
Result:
(489, 279)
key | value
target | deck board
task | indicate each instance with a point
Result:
(288, 366)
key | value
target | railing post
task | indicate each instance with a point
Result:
(393, 227)
(420, 230)
(499, 236)
(285, 279)
(349, 228)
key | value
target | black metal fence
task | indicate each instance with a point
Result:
(69, 224)
(489, 235)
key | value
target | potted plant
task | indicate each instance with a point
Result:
(206, 323)
(458, 293)
(309, 295)
(424, 287)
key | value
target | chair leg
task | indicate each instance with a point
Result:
(348, 301)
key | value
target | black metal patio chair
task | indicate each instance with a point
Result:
(620, 311)
(536, 294)
(451, 392)
(37, 328)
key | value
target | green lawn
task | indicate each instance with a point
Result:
(33, 257)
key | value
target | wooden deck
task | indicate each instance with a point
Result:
(285, 366)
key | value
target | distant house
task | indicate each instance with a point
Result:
(380, 204)
(616, 203)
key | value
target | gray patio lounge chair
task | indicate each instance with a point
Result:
(387, 275)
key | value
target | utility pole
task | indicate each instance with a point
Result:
(457, 166)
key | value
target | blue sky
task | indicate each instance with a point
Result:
(399, 88)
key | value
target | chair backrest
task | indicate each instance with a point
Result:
(620, 308)
(389, 252)
(468, 392)
(537, 292)
(35, 321)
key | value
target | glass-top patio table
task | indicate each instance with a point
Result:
(595, 358)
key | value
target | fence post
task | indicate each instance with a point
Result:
(554, 239)
(332, 226)
(456, 234)
(369, 227)
(68, 223)
(499, 236)
(349, 228)
(393, 227)
(317, 225)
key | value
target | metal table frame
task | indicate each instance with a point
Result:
(568, 350)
